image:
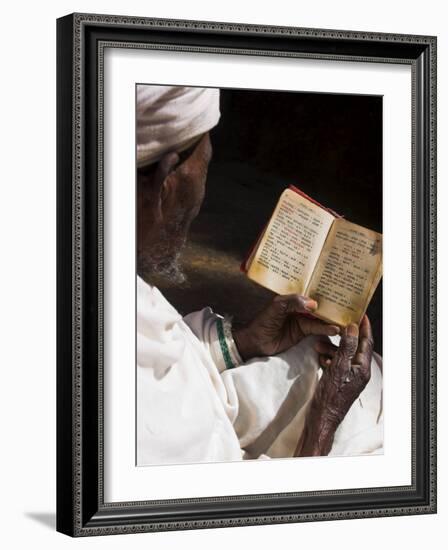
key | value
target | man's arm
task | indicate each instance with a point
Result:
(278, 327)
(346, 372)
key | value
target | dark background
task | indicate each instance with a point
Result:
(328, 145)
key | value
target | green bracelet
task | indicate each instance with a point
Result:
(223, 343)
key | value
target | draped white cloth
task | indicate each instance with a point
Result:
(191, 409)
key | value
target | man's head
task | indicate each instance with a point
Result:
(173, 154)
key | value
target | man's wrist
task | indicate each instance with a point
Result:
(319, 436)
(246, 347)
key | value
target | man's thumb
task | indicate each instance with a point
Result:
(294, 303)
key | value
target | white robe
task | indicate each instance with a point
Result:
(191, 409)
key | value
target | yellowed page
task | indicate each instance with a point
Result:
(347, 273)
(285, 258)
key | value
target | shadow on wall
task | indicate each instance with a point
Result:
(47, 519)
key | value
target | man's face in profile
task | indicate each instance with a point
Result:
(170, 196)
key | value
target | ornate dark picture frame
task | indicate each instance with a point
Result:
(81, 39)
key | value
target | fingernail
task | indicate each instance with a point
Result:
(334, 330)
(352, 330)
(328, 362)
(311, 304)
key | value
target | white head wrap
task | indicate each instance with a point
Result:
(171, 118)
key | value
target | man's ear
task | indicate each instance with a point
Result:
(164, 167)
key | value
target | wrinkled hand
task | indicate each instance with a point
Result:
(346, 372)
(280, 326)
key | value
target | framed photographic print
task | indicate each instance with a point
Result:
(246, 274)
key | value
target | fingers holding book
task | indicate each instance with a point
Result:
(281, 325)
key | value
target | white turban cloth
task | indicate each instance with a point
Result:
(171, 118)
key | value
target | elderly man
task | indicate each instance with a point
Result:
(206, 390)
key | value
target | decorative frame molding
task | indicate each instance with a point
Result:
(81, 39)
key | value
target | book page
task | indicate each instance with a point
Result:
(290, 246)
(347, 273)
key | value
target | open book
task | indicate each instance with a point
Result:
(308, 249)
